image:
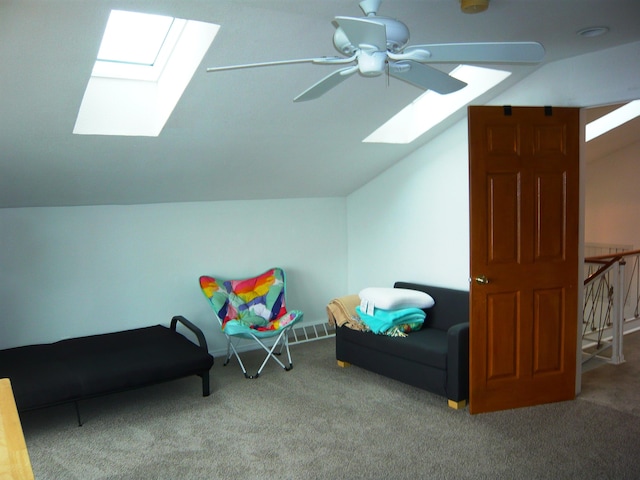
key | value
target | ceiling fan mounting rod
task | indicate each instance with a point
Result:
(370, 7)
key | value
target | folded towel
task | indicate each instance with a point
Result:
(383, 320)
(342, 312)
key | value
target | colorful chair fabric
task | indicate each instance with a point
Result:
(253, 309)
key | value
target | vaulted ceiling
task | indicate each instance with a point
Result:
(238, 134)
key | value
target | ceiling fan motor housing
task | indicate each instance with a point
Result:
(396, 31)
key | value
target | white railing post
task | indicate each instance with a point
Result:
(617, 356)
(611, 304)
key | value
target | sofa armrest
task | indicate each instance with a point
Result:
(458, 362)
(198, 333)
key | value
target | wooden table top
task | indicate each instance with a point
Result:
(14, 457)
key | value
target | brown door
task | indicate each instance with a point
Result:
(524, 207)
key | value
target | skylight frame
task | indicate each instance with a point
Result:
(431, 108)
(125, 69)
(134, 37)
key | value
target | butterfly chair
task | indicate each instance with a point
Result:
(253, 309)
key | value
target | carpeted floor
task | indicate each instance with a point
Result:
(320, 421)
(616, 386)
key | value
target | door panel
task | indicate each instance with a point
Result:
(504, 217)
(548, 331)
(524, 241)
(551, 209)
(502, 340)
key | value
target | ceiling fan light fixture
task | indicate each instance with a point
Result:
(371, 64)
(474, 6)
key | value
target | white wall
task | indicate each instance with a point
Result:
(74, 271)
(412, 222)
(613, 198)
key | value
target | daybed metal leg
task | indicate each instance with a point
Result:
(206, 390)
(78, 413)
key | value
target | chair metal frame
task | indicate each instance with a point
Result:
(282, 339)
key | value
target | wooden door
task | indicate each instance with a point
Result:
(524, 207)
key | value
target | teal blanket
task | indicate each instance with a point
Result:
(383, 320)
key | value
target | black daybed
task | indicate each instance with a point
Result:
(435, 358)
(79, 368)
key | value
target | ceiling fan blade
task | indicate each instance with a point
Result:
(326, 84)
(424, 76)
(488, 52)
(319, 60)
(361, 31)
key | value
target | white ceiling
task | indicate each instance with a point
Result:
(238, 134)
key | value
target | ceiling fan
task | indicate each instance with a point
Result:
(378, 44)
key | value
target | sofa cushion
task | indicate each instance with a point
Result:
(426, 346)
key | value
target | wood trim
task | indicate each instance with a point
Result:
(611, 255)
(457, 405)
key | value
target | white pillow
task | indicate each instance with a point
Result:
(395, 298)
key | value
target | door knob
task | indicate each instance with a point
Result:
(482, 280)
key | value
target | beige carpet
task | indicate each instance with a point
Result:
(319, 421)
(617, 386)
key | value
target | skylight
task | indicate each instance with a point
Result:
(612, 120)
(143, 66)
(431, 108)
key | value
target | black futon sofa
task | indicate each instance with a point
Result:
(79, 368)
(435, 358)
